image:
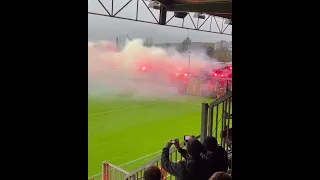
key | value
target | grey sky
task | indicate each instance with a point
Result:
(106, 28)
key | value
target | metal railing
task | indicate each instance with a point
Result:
(226, 117)
(216, 121)
(174, 156)
(112, 172)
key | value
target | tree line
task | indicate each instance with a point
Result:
(222, 54)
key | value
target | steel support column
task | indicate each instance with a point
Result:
(163, 15)
(204, 121)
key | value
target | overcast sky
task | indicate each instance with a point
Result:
(106, 28)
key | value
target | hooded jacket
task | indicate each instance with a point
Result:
(192, 168)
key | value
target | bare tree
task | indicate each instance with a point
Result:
(184, 47)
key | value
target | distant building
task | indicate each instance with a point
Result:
(223, 45)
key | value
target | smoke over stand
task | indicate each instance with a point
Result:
(135, 72)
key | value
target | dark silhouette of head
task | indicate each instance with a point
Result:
(194, 148)
(152, 173)
(210, 143)
(220, 176)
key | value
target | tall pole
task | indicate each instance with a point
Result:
(189, 56)
(189, 61)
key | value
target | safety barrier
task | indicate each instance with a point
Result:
(112, 172)
(174, 156)
(218, 123)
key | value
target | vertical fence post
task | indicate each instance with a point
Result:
(227, 91)
(103, 171)
(105, 174)
(204, 120)
(210, 121)
(228, 123)
(162, 15)
(223, 128)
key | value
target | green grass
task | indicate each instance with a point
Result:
(140, 128)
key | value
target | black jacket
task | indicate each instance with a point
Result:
(216, 161)
(186, 169)
(183, 153)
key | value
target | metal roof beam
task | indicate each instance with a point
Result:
(202, 8)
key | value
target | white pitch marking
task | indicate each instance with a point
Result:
(197, 104)
(115, 110)
(140, 158)
(94, 176)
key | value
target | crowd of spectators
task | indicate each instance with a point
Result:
(207, 161)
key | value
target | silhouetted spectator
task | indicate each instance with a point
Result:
(192, 168)
(183, 152)
(220, 176)
(152, 173)
(216, 155)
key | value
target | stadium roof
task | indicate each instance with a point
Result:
(221, 8)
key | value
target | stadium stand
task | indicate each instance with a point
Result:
(215, 121)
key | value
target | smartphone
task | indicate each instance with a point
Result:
(187, 138)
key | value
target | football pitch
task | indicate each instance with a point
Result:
(129, 133)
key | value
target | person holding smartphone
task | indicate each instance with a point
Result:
(183, 152)
(216, 157)
(193, 167)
